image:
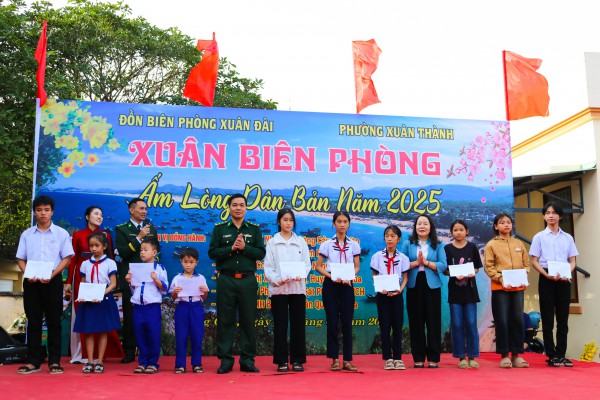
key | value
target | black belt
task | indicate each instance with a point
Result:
(236, 275)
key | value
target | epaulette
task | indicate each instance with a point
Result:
(221, 223)
(252, 223)
(123, 224)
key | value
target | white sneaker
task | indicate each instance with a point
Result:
(389, 364)
(398, 364)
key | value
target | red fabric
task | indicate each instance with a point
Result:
(366, 58)
(448, 382)
(81, 246)
(526, 90)
(40, 57)
(202, 80)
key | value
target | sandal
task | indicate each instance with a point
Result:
(335, 365)
(56, 369)
(28, 369)
(505, 363)
(297, 367)
(567, 363)
(419, 364)
(463, 364)
(432, 364)
(179, 370)
(283, 367)
(389, 364)
(473, 364)
(197, 369)
(151, 369)
(349, 367)
(398, 364)
(519, 362)
(99, 368)
(554, 362)
(88, 368)
(140, 369)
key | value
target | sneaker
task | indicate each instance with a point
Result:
(389, 364)
(398, 364)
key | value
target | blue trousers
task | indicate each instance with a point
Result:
(147, 325)
(463, 325)
(189, 323)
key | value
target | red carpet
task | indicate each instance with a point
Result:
(317, 382)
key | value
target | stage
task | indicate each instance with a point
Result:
(317, 382)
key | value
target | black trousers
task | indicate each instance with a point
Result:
(338, 300)
(390, 310)
(41, 299)
(507, 310)
(424, 307)
(555, 299)
(289, 308)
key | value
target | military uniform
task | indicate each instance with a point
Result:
(236, 288)
(128, 247)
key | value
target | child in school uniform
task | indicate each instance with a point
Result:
(96, 317)
(390, 305)
(505, 252)
(43, 242)
(338, 295)
(146, 300)
(189, 313)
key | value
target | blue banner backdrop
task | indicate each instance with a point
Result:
(184, 161)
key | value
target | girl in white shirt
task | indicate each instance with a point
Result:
(288, 293)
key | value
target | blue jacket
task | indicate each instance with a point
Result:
(437, 256)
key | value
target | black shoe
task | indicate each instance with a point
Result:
(127, 359)
(554, 362)
(283, 367)
(297, 367)
(224, 369)
(249, 368)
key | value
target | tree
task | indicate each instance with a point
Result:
(97, 52)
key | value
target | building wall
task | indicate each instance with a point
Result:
(585, 326)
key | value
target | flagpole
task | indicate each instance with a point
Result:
(505, 85)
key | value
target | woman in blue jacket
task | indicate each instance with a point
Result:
(424, 294)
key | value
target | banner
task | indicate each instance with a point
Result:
(185, 161)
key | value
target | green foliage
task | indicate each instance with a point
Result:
(97, 52)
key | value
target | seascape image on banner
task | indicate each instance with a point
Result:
(184, 161)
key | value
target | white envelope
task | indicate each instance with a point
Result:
(91, 291)
(559, 268)
(140, 273)
(390, 283)
(514, 277)
(343, 271)
(292, 269)
(465, 269)
(189, 286)
(38, 269)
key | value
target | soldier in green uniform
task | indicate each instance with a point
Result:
(236, 246)
(129, 238)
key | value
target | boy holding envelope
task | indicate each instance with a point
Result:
(555, 246)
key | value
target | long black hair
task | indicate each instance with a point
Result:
(280, 215)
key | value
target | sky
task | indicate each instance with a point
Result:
(440, 59)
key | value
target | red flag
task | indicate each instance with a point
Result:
(40, 57)
(526, 90)
(202, 81)
(366, 58)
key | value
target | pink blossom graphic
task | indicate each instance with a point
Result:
(489, 153)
